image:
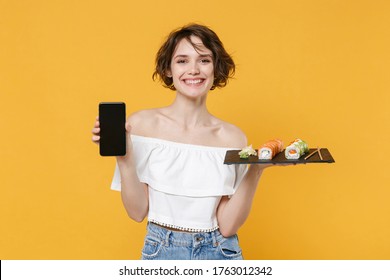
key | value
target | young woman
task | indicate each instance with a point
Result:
(173, 171)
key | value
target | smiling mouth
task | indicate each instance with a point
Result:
(194, 81)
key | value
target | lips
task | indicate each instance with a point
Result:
(193, 81)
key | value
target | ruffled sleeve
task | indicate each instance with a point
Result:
(183, 169)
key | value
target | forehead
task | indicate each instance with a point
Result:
(195, 46)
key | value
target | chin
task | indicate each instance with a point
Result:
(194, 93)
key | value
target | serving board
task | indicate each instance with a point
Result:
(232, 157)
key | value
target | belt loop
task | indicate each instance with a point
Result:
(167, 235)
(213, 235)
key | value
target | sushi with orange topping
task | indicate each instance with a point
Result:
(271, 148)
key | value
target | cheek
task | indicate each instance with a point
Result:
(212, 70)
(212, 74)
(209, 71)
(177, 71)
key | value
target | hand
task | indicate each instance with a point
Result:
(261, 167)
(96, 131)
(129, 145)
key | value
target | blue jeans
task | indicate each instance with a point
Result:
(164, 244)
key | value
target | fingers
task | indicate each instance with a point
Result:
(96, 127)
(96, 131)
(96, 139)
(97, 124)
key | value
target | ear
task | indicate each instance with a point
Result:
(168, 73)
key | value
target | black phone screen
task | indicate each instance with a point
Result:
(112, 118)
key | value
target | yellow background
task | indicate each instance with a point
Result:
(318, 70)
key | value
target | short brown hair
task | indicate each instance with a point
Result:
(224, 66)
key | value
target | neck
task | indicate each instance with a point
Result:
(189, 112)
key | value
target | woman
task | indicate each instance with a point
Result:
(173, 171)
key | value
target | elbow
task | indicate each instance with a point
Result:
(136, 215)
(136, 218)
(226, 231)
(136, 212)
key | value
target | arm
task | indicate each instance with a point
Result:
(133, 192)
(233, 212)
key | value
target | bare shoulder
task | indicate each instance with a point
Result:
(142, 121)
(233, 135)
(141, 115)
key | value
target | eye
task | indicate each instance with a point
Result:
(205, 61)
(181, 61)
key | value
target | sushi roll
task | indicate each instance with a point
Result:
(296, 149)
(270, 149)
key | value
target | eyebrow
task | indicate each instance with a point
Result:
(184, 55)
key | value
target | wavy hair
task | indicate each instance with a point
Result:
(224, 67)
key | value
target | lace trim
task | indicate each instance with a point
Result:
(183, 228)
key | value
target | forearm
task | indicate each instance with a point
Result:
(233, 212)
(134, 193)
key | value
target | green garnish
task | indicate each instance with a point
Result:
(247, 151)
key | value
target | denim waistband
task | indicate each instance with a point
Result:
(181, 238)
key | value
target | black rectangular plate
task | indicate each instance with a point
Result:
(232, 157)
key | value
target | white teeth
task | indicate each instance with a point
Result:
(192, 82)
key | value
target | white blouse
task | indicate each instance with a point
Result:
(186, 181)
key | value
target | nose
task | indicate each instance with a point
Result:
(193, 69)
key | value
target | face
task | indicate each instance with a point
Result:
(192, 70)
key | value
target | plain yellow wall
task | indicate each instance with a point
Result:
(318, 70)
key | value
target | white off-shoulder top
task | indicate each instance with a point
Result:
(186, 181)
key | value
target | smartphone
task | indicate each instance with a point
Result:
(112, 118)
